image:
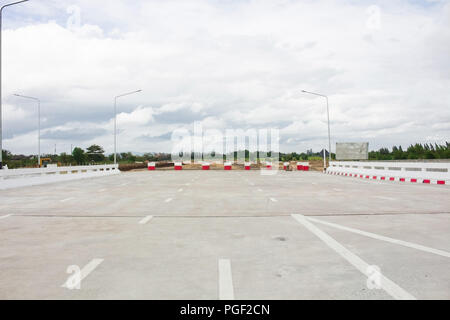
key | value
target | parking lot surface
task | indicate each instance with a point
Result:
(225, 235)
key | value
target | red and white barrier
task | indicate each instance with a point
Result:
(178, 166)
(248, 166)
(412, 172)
(151, 166)
(206, 166)
(269, 165)
(303, 166)
(228, 166)
(286, 165)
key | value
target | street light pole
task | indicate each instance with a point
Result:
(115, 121)
(39, 124)
(1, 69)
(328, 114)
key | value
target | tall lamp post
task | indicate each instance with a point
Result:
(1, 69)
(328, 113)
(115, 121)
(39, 123)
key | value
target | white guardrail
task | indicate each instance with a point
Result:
(420, 172)
(18, 173)
(18, 178)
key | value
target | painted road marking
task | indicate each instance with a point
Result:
(187, 184)
(180, 190)
(273, 200)
(75, 280)
(102, 190)
(146, 220)
(385, 198)
(383, 238)
(168, 200)
(260, 190)
(125, 184)
(226, 290)
(68, 199)
(7, 216)
(252, 184)
(386, 284)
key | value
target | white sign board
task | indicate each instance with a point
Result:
(352, 151)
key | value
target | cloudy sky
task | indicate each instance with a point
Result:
(226, 64)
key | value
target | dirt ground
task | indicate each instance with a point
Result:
(315, 165)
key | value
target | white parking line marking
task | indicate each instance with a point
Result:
(187, 184)
(146, 220)
(73, 282)
(259, 190)
(383, 238)
(386, 284)
(252, 184)
(273, 200)
(7, 216)
(180, 190)
(67, 199)
(168, 200)
(102, 190)
(384, 198)
(226, 290)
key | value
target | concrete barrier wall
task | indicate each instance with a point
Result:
(18, 173)
(16, 178)
(206, 166)
(178, 166)
(420, 172)
(303, 166)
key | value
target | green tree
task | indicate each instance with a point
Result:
(65, 158)
(95, 153)
(6, 155)
(127, 157)
(78, 155)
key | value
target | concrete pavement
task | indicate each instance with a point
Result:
(194, 219)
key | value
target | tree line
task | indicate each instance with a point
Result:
(413, 152)
(95, 154)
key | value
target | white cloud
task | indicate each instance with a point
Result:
(232, 64)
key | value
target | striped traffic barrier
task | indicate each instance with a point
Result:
(303, 166)
(151, 166)
(206, 166)
(178, 166)
(228, 166)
